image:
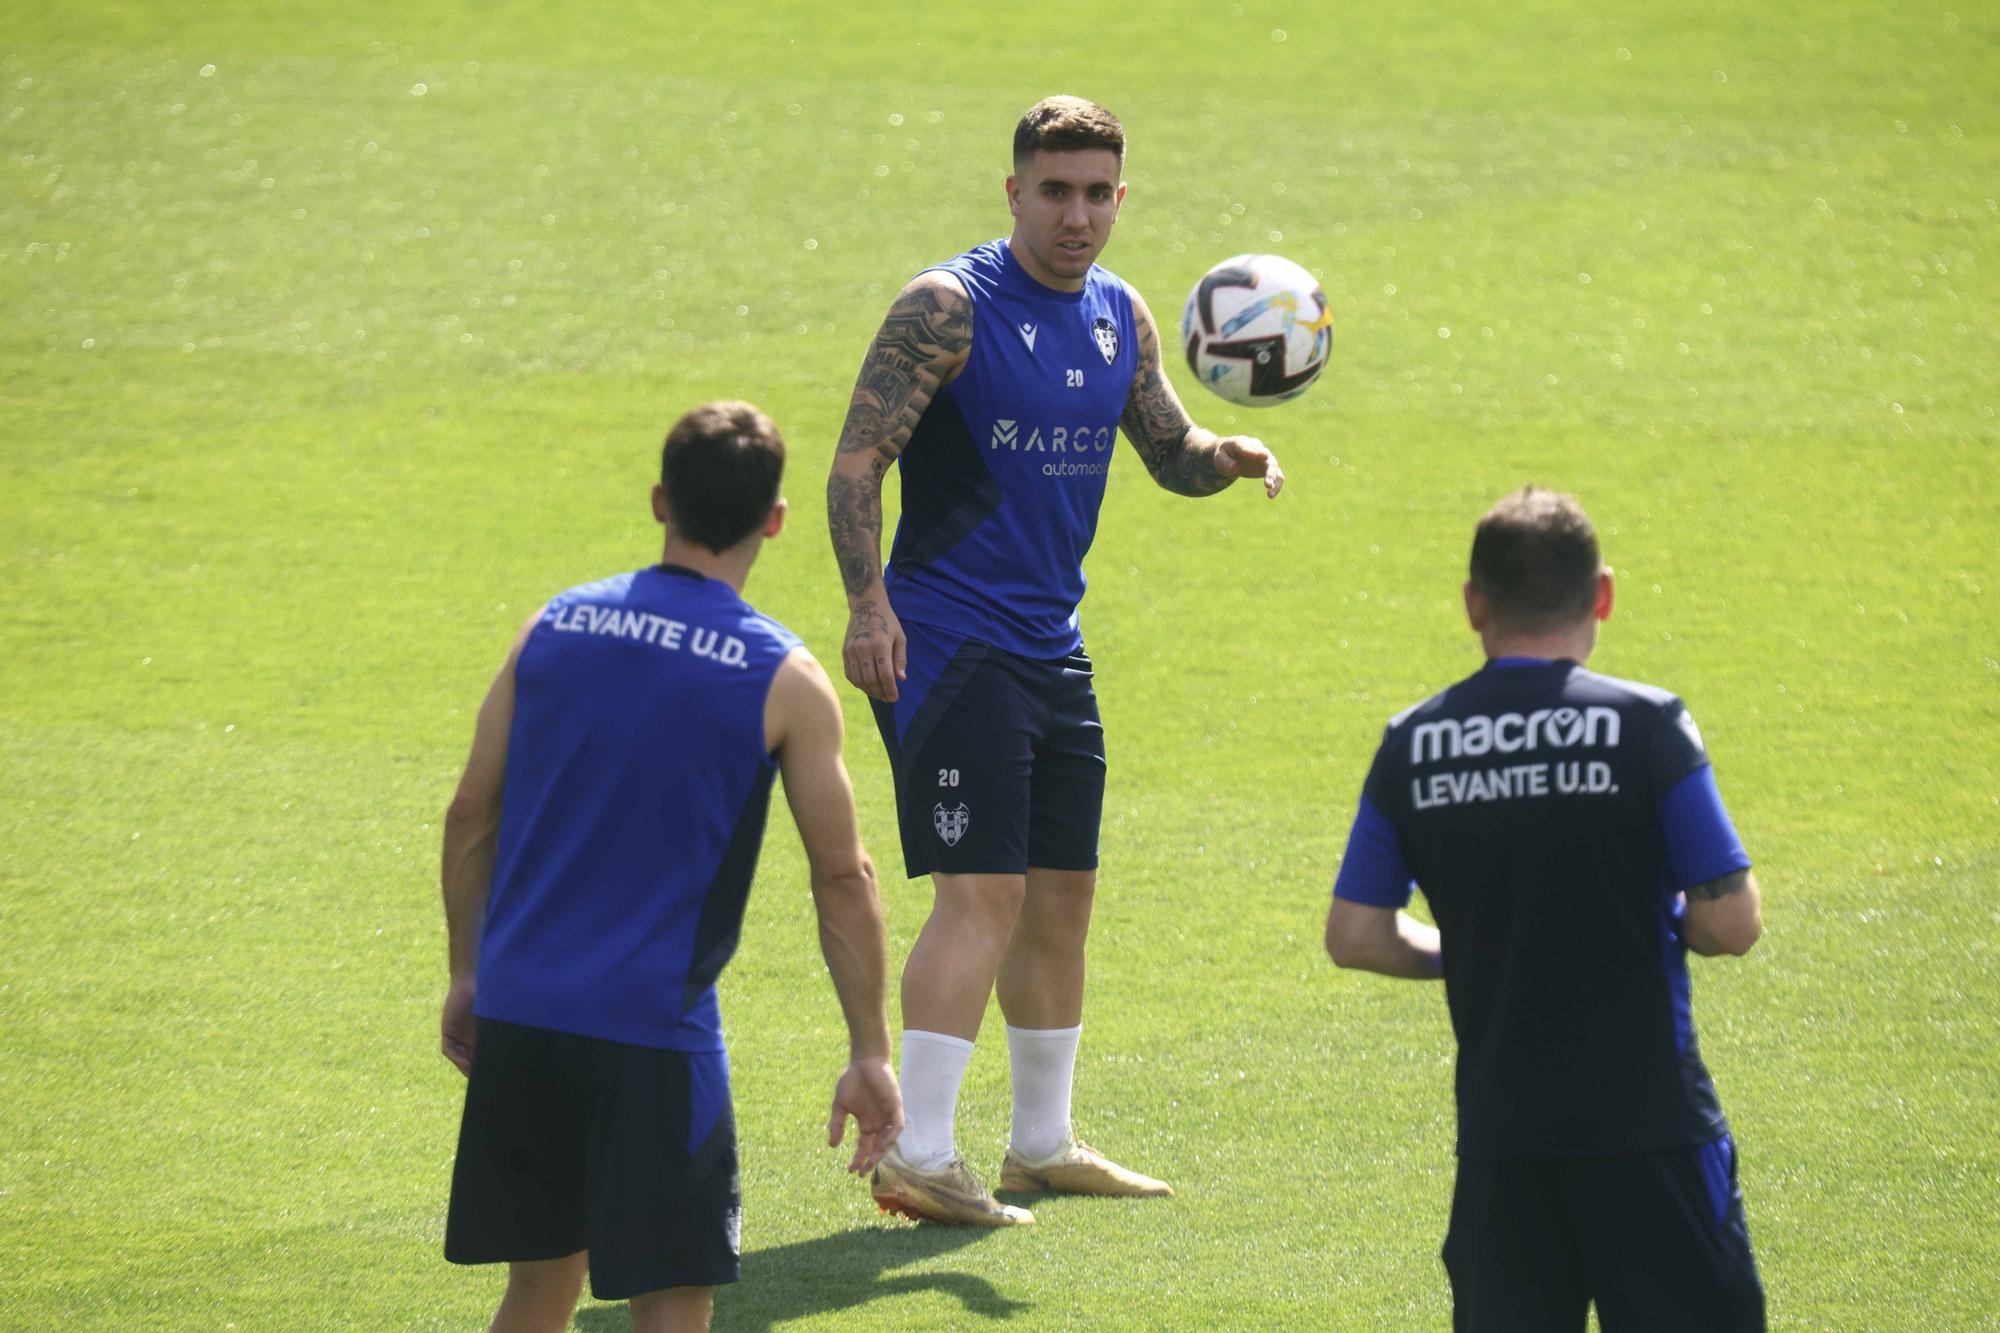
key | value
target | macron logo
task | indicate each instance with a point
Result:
(1006, 433)
(1555, 728)
(1028, 336)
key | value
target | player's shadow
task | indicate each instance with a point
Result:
(838, 1272)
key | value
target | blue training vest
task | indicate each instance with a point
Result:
(1005, 471)
(636, 791)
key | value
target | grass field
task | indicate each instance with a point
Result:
(335, 341)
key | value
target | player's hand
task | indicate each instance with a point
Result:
(867, 1091)
(875, 654)
(1243, 456)
(457, 1028)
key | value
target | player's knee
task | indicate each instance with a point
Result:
(547, 1288)
(673, 1310)
(1061, 918)
(988, 900)
(552, 1274)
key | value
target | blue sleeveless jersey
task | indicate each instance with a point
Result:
(636, 790)
(1005, 471)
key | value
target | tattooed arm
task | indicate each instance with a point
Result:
(923, 344)
(1182, 456)
(1724, 915)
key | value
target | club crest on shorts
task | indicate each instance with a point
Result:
(951, 824)
(1106, 334)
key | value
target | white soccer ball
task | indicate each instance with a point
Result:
(1257, 330)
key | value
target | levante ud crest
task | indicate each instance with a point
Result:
(1106, 334)
(951, 824)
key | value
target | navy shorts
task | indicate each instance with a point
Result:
(1657, 1240)
(574, 1143)
(999, 758)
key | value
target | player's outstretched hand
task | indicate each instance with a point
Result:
(457, 1027)
(1244, 456)
(867, 1091)
(875, 655)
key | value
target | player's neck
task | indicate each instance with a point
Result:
(731, 566)
(1574, 644)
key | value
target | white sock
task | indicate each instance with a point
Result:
(1044, 1065)
(933, 1067)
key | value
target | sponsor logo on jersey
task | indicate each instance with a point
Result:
(1106, 334)
(1050, 439)
(1028, 335)
(951, 824)
(1513, 733)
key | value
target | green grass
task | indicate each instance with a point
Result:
(312, 384)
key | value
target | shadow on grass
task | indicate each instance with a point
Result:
(838, 1272)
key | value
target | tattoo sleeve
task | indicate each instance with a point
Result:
(1179, 454)
(926, 332)
(1721, 887)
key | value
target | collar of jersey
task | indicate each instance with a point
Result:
(1030, 286)
(681, 571)
(1527, 661)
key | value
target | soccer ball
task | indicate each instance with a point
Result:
(1257, 330)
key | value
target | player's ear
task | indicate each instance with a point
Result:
(1606, 594)
(1014, 195)
(659, 503)
(775, 524)
(1478, 611)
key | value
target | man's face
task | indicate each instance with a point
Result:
(1063, 206)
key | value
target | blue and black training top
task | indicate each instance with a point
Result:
(1004, 473)
(636, 791)
(1551, 817)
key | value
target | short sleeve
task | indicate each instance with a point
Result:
(1373, 871)
(1701, 841)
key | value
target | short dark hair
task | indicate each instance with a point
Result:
(1535, 558)
(721, 466)
(1067, 125)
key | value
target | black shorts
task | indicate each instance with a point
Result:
(1658, 1240)
(999, 759)
(571, 1143)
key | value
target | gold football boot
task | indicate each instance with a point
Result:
(1077, 1168)
(952, 1194)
